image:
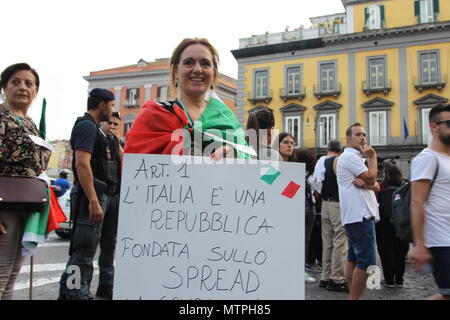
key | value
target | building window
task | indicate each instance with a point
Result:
(426, 10)
(162, 93)
(377, 73)
(327, 129)
(327, 80)
(377, 128)
(425, 121)
(132, 97)
(292, 126)
(429, 65)
(126, 127)
(293, 87)
(128, 121)
(261, 84)
(374, 17)
(293, 80)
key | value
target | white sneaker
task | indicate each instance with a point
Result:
(309, 279)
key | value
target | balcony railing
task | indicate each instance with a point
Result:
(383, 26)
(300, 94)
(435, 19)
(439, 83)
(369, 88)
(251, 96)
(322, 92)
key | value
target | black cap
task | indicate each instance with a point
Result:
(101, 94)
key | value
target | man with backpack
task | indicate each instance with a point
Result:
(430, 205)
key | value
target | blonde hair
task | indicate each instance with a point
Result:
(176, 57)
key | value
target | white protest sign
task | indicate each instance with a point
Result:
(209, 231)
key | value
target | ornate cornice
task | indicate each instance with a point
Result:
(391, 32)
(352, 2)
(123, 75)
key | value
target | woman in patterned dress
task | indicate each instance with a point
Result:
(19, 156)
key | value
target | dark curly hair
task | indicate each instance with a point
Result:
(305, 156)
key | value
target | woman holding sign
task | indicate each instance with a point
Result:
(180, 126)
(22, 154)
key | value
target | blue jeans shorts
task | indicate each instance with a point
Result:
(441, 268)
(361, 243)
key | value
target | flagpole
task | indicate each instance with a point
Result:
(42, 129)
(31, 278)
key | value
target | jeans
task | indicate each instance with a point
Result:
(441, 268)
(361, 243)
(85, 238)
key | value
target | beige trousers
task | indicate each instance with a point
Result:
(10, 251)
(334, 243)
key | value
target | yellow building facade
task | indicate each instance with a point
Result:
(381, 63)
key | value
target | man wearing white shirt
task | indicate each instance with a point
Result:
(358, 206)
(430, 206)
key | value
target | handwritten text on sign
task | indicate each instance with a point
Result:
(198, 231)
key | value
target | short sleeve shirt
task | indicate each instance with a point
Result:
(355, 203)
(84, 136)
(437, 205)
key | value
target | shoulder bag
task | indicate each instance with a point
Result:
(22, 194)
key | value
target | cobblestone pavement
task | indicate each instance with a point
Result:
(417, 286)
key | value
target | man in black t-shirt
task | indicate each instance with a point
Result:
(94, 202)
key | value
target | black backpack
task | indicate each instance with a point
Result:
(401, 212)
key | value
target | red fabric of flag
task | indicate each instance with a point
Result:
(152, 130)
(55, 214)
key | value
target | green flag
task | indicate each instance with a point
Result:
(42, 127)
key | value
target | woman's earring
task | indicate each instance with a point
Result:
(176, 84)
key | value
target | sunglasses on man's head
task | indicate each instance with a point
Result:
(112, 123)
(447, 122)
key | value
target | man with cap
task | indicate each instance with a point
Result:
(94, 202)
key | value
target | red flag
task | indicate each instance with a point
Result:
(55, 214)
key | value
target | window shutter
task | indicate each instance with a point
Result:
(436, 6)
(417, 8)
(128, 94)
(137, 93)
(366, 17)
(158, 93)
(383, 25)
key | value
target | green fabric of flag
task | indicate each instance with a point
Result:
(35, 229)
(219, 120)
(270, 176)
(36, 222)
(42, 124)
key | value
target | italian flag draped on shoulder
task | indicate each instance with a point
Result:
(163, 124)
(220, 121)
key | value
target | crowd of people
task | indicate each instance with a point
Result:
(347, 210)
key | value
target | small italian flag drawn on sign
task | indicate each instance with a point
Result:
(270, 176)
(291, 190)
